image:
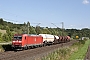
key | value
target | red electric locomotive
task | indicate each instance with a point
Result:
(24, 41)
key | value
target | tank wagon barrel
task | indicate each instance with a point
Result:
(47, 39)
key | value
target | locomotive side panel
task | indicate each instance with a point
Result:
(35, 40)
(39, 40)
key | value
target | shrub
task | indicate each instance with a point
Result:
(82, 41)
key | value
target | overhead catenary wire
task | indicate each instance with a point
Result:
(58, 27)
(14, 14)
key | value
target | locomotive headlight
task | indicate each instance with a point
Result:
(13, 41)
(20, 41)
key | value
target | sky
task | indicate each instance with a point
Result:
(73, 13)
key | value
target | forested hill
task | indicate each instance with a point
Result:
(12, 28)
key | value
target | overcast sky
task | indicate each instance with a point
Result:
(74, 13)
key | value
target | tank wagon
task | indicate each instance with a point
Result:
(47, 39)
(25, 41)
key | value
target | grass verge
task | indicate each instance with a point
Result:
(80, 54)
(74, 52)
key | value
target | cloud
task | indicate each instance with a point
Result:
(85, 2)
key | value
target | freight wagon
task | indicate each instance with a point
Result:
(63, 39)
(47, 39)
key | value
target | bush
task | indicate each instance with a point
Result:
(82, 41)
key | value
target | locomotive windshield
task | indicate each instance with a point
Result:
(17, 37)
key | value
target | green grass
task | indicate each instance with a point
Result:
(59, 54)
(76, 51)
(80, 54)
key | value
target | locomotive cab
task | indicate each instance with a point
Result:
(17, 41)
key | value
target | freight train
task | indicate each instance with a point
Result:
(25, 41)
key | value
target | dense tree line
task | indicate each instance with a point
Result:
(12, 28)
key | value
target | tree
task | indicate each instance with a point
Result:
(52, 31)
(1, 21)
(0, 36)
(9, 34)
(28, 24)
(46, 31)
(5, 37)
(38, 30)
(32, 30)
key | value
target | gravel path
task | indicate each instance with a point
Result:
(32, 54)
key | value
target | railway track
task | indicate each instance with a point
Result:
(32, 54)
